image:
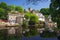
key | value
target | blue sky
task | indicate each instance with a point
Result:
(23, 4)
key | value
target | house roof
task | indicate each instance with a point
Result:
(3, 20)
(40, 15)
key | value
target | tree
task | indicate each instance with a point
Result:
(11, 7)
(25, 22)
(3, 11)
(27, 15)
(45, 11)
(32, 22)
(3, 5)
(55, 11)
(34, 18)
(19, 8)
(2, 14)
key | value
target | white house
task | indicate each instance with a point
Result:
(41, 16)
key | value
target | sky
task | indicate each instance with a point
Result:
(22, 3)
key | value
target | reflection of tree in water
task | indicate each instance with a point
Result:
(58, 35)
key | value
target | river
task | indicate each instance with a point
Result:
(37, 38)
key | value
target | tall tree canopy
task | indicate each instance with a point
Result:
(55, 11)
(3, 5)
(19, 8)
(45, 11)
(3, 11)
(11, 7)
(27, 15)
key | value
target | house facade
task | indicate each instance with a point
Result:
(49, 23)
(40, 16)
(15, 17)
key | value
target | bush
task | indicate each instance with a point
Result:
(31, 33)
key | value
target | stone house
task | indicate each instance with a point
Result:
(15, 17)
(49, 23)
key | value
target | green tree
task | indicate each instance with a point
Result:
(27, 15)
(3, 5)
(55, 11)
(19, 8)
(3, 11)
(3, 15)
(34, 18)
(45, 11)
(11, 7)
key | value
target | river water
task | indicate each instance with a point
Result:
(37, 38)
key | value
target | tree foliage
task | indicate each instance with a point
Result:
(45, 11)
(3, 5)
(11, 7)
(55, 11)
(4, 9)
(27, 15)
(19, 8)
(32, 17)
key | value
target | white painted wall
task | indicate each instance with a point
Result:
(41, 16)
(12, 19)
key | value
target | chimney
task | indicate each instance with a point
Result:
(30, 9)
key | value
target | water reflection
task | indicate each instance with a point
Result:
(37, 38)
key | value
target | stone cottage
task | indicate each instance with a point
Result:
(15, 17)
(49, 23)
